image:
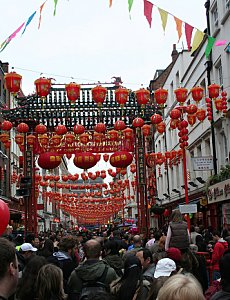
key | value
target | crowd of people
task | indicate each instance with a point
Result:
(173, 263)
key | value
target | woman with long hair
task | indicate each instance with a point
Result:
(128, 286)
(49, 285)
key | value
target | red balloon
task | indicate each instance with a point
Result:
(4, 216)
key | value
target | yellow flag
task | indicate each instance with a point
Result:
(164, 17)
(198, 38)
(178, 27)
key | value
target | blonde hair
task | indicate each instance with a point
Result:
(50, 283)
(181, 287)
(176, 216)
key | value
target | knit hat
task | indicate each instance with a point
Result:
(164, 267)
(174, 254)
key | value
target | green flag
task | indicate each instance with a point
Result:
(211, 41)
(55, 6)
(130, 4)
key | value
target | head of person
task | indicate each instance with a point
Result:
(137, 240)
(49, 283)
(111, 247)
(193, 248)
(183, 287)
(216, 235)
(48, 245)
(92, 249)
(157, 235)
(176, 216)
(67, 244)
(145, 257)
(8, 267)
(224, 271)
(27, 250)
(174, 254)
(30, 238)
(164, 267)
(192, 228)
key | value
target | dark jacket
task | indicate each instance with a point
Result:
(221, 295)
(179, 238)
(115, 262)
(90, 270)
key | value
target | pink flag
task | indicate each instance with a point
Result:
(220, 42)
(188, 34)
(13, 35)
(148, 7)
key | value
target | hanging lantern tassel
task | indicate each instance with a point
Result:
(224, 103)
(159, 172)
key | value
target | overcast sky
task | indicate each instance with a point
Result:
(91, 42)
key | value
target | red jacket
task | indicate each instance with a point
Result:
(220, 247)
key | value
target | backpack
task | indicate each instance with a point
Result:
(93, 287)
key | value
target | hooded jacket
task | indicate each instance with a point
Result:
(220, 247)
(90, 270)
(115, 262)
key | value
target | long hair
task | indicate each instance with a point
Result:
(176, 216)
(25, 290)
(49, 283)
(48, 248)
(130, 281)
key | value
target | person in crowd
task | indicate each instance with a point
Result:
(25, 289)
(129, 286)
(47, 250)
(155, 246)
(18, 241)
(92, 270)
(178, 234)
(151, 241)
(49, 283)
(220, 247)
(181, 287)
(155, 287)
(175, 255)
(202, 246)
(194, 233)
(160, 253)
(148, 266)
(112, 258)
(137, 244)
(8, 233)
(8, 269)
(117, 238)
(26, 252)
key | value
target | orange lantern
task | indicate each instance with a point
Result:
(113, 135)
(121, 159)
(161, 127)
(142, 96)
(31, 139)
(173, 123)
(98, 137)
(219, 104)
(72, 91)
(128, 133)
(84, 138)
(6, 125)
(181, 95)
(99, 94)
(43, 139)
(191, 119)
(85, 160)
(138, 122)
(146, 129)
(197, 93)
(40, 129)
(13, 82)
(69, 137)
(156, 119)
(49, 160)
(161, 96)
(121, 96)
(201, 114)
(214, 90)
(100, 128)
(43, 86)
(56, 139)
(22, 128)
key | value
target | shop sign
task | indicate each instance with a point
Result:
(203, 163)
(141, 165)
(219, 192)
(188, 208)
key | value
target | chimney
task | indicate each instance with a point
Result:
(174, 53)
(5, 67)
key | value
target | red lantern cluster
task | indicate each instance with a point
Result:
(209, 109)
(224, 102)
(183, 134)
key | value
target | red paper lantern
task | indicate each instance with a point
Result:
(146, 129)
(214, 90)
(121, 96)
(175, 113)
(40, 129)
(191, 119)
(49, 160)
(119, 125)
(78, 129)
(19, 139)
(191, 109)
(161, 127)
(69, 137)
(43, 139)
(60, 129)
(197, 93)
(138, 122)
(99, 94)
(4, 216)
(100, 128)
(56, 139)
(142, 96)
(84, 138)
(174, 123)
(72, 91)
(161, 96)
(7, 144)
(22, 128)
(43, 86)
(113, 135)
(31, 139)
(13, 82)
(156, 119)
(181, 95)
(121, 159)
(201, 114)
(219, 104)
(85, 160)
(106, 157)
(6, 125)
(128, 133)
(65, 178)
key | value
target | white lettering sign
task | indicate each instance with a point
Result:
(188, 208)
(204, 163)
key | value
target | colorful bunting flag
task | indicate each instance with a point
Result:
(188, 34)
(148, 7)
(110, 3)
(12, 36)
(28, 21)
(40, 17)
(211, 41)
(55, 6)
(220, 42)
(130, 3)
(198, 38)
(178, 27)
(164, 17)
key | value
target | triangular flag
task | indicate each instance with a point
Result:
(148, 7)
(110, 3)
(164, 17)
(178, 27)
(4, 44)
(13, 35)
(40, 18)
(55, 6)
(28, 21)
(130, 2)
(198, 38)
(188, 34)
(220, 42)
(211, 41)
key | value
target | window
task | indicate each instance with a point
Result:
(225, 145)
(227, 4)
(215, 15)
(199, 151)
(177, 80)
(219, 73)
